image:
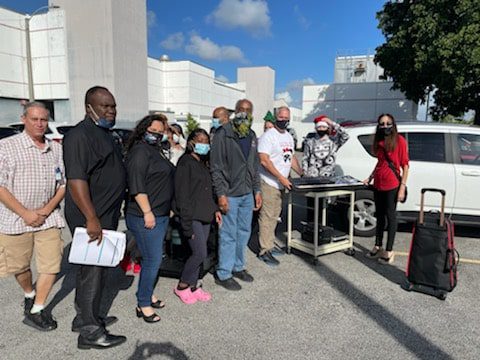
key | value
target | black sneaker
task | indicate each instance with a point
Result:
(243, 275)
(27, 305)
(268, 259)
(229, 284)
(40, 321)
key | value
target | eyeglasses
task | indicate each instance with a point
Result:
(385, 124)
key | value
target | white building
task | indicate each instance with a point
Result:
(48, 59)
(184, 87)
(95, 42)
(359, 93)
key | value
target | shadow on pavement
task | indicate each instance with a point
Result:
(405, 335)
(115, 281)
(148, 350)
(391, 273)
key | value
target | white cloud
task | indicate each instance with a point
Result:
(208, 50)
(301, 19)
(151, 19)
(298, 84)
(285, 95)
(173, 41)
(250, 15)
(222, 78)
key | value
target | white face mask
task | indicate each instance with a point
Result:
(176, 138)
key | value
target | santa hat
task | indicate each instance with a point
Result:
(320, 121)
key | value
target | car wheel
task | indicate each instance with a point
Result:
(364, 221)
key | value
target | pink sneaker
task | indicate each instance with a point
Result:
(186, 295)
(202, 295)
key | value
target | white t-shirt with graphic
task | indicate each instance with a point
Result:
(279, 147)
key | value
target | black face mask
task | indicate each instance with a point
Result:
(282, 125)
(322, 133)
(385, 131)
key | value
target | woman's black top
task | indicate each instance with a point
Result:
(193, 193)
(150, 173)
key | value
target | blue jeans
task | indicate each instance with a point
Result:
(150, 243)
(234, 235)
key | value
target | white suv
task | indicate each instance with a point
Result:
(54, 132)
(445, 156)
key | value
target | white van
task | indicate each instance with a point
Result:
(445, 156)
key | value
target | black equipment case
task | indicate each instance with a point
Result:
(432, 261)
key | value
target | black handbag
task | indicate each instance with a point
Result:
(392, 167)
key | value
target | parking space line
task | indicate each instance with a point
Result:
(462, 260)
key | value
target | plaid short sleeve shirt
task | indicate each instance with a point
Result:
(33, 176)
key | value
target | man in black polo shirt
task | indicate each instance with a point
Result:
(96, 182)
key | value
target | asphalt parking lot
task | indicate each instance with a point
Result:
(343, 308)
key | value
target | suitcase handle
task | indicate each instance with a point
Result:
(421, 216)
(441, 191)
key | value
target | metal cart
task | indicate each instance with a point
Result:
(318, 193)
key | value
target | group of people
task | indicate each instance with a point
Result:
(220, 178)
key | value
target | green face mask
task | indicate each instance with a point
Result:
(242, 123)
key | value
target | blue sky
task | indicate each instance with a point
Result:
(299, 39)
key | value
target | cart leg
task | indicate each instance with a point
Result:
(289, 223)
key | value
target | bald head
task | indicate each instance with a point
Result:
(244, 105)
(221, 113)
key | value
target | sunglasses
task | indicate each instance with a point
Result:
(385, 124)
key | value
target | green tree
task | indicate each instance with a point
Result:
(433, 44)
(192, 124)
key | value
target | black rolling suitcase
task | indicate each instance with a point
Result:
(432, 261)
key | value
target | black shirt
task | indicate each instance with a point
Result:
(149, 172)
(91, 154)
(193, 193)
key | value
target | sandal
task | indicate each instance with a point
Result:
(149, 319)
(374, 254)
(159, 304)
(386, 260)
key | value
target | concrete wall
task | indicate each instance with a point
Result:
(356, 102)
(11, 109)
(107, 46)
(260, 89)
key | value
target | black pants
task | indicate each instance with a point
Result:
(386, 210)
(90, 283)
(198, 245)
(88, 295)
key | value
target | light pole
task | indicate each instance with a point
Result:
(31, 94)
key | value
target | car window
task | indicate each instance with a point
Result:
(469, 148)
(367, 143)
(426, 147)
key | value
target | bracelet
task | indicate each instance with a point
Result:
(147, 212)
(403, 184)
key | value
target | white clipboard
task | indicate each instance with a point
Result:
(108, 253)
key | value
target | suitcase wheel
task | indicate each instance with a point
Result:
(350, 252)
(407, 285)
(442, 295)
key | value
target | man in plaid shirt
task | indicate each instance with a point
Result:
(32, 184)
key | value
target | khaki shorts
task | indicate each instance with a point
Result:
(16, 252)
